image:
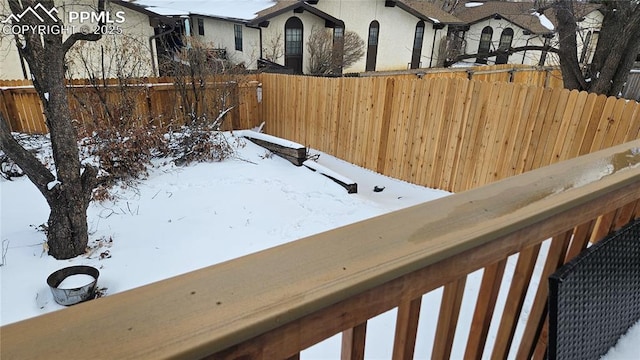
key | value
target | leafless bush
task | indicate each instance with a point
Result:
(274, 48)
(122, 153)
(200, 144)
(329, 54)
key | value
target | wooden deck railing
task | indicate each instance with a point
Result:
(277, 302)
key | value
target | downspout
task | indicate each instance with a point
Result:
(187, 30)
(433, 46)
(260, 30)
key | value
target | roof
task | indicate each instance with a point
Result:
(429, 11)
(522, 14)
(243, 10)
(283, 6)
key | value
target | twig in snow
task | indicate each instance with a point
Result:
(5, 249)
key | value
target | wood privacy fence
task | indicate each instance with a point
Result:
(451, 134)
(159, 101)
(548, 76)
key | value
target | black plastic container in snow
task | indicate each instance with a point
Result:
(595, 298)
(73, 284)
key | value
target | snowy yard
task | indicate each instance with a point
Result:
(184, 218)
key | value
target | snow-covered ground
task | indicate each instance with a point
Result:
(183, 218)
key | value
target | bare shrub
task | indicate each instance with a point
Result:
(329, 53)
(122, 152)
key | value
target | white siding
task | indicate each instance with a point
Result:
(219, 34)
(276, 28)
(472, 38)
(397, 31)
(125, 50)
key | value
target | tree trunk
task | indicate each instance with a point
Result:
(567, 51)
(615, 53)
(69, 196)
(617, 48)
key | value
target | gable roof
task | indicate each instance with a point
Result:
(283, 6)
(522, 14)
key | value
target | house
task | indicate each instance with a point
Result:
(399, 34)
(494, 25)
(124, 50)
(217, 26)
(402, 34)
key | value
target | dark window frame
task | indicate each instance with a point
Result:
(506, 39)
(200, 26)
(237, 35)
(484, 45)
(294, 44)
(372, 45)
(418, 39)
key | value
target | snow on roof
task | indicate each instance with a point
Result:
(544, 21)
(232, 9)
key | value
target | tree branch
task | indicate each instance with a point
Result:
(34, 169)
(75, 37)
(510, 51)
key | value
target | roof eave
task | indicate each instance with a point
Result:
(301, 5)
(422, 16)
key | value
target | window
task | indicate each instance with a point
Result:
(505, 43)
(237, 30)
(485, 45)
(201, 26)
(338, 49)
(293, 36)
(338, 34)
(372, 45)
(417, 45)
(374, 30)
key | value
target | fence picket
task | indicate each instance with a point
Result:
(436, 130)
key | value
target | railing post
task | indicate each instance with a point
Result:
(515, 300)
(406, 329)
(485, 307)
(353, 342)
(449, 313)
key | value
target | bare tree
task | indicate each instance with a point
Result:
(274, 48)
(68, 191)
(617, 48)
(330, 53)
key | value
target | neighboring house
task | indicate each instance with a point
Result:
(285, 29)
(218, 26)
(240, 32)
(398, 34)
(494, 25)
(124, 49)
(402, 34)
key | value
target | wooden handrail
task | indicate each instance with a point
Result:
(275, 303)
